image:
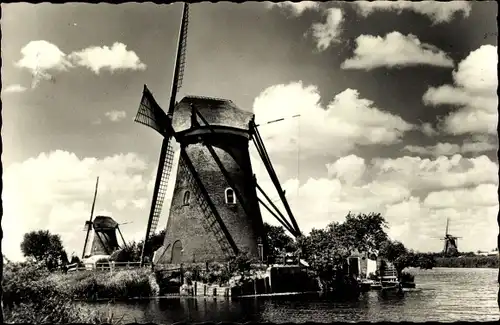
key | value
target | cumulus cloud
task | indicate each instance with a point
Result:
(449, 149)
(15, 88)
(113, 58)
(327, 33)
(474, 93)
(43, 59)
(348, 120)
(428, 129)
(415, 196)
(437, 11)
(115, 116)
(348, 169)
(54, 191)
(481, 195)
(394, 50)
(296, 8)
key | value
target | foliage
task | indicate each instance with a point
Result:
(33, 295)
(120, 285)
(407, 277)
(278, 241)
(132, 252)
(396, 253)
(241, 263)
(392, 250)
(327, 249)
(468, 262)
(75, 259)
(43, 246)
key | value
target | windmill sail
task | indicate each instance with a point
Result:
(180, 59)
(88, 224)
(151, 114)
(182, 49)
(162, 185)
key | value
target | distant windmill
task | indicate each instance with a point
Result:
(104, 241)
(450, 242)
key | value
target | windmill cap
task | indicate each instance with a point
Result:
(217, 111)
(103, 223)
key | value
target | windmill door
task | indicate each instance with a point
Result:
(177, 252)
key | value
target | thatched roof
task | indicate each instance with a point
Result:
(217, 112)
(104, 223)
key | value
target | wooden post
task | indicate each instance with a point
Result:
(254, 287)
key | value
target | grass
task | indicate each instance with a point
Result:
(120, 285)
(33, 295)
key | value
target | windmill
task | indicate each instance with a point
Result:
(450, 242)
(104, 230)
(215, 212)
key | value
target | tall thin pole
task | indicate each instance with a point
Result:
(90, 219)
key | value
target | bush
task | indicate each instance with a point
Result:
(407, 277)
(468, 261)
(32, 295)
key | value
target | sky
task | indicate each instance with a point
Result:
(397, 104)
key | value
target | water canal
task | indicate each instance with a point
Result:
(442, 294)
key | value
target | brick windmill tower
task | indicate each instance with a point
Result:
(215, 212)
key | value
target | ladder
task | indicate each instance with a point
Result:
(210, 222)
(162, 190)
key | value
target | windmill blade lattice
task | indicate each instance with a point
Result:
(183, 47)
(162, 189)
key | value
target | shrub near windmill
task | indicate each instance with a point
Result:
(215, 213)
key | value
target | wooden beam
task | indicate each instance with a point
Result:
(267, 163)
(277, 210)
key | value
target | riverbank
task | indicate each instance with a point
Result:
(468, 262)
(31, 294)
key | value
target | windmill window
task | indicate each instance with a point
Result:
(187, 196)
(230, 197)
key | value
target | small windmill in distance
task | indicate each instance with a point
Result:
(104, 228)
(450, 242)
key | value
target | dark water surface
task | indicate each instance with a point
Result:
(442, 294)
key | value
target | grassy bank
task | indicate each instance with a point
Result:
(468, 262)
(34, 295)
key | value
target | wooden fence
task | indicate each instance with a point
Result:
(106, 266)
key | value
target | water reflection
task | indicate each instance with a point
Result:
(442, 295)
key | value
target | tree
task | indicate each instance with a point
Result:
(42, 246)
(363, 232)
(132, 252)
(396, 253)
(391, 250)
(277, 240)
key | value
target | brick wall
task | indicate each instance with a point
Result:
(186, 222)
